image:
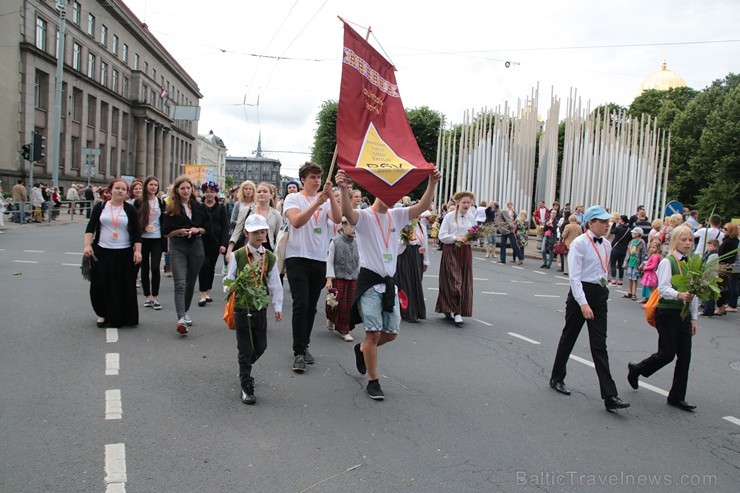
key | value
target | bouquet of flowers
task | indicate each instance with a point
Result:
(476, 232)
(331, 297)
(248, 287)
(699, 278)
(407, 233)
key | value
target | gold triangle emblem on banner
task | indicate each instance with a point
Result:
(379, 159)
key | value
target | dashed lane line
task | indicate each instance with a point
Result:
(562, 277)
(430, 275)
(479, 279)
(644, 385)
(732, 419)
(494, 292)
(562, 284)
(547, 296)
(34, 251)
(433, 289)
(517, 267)
(519, 336)
(113, 407)
(522, 282)
(73, 253)
(538, 272)
(115, 468)
(71, 265)
(25, 261)
(484, 323)
(112, 363)
(111, 335)
(581, 360)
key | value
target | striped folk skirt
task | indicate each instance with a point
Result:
(456, 281)
(409, 273)
(339, 315)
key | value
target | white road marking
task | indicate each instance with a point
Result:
(479, 258)
(655, 389)
(547, 296)
(112, 363)
(71, 265)
(73, 253)
(34, 251)
(517, 267)
(494, 292)
(430, 275)
(519, 336)
(433, 289)
(113, 409)
(479, 279)
(25, 261)
(115, 467)
(522, 282)
(562, 284)
(484, 323)
(732, 419)
(111, 335)
(538, 272)
(581, 360)
(562, 277)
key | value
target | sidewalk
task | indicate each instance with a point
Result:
(531, 251)
(62, 218)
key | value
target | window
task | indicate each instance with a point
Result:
(91, 65)
(76, 104)
(104, 35)
(103, 117)
(104, 73)
(125, 53)
(92, 106)
(153, 97)
(146, 67)
(154, 74)
(114, 121)
(144, 93)
(124, 126)
(136, 61)
(91, 25)
(124, 92)
(77, 57)
(114, 84)
(115, 45)
(76, 9)
(41, 34)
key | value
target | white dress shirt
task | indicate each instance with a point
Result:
(666, 288)
(274, 286)
(419, 238)
(454, 225)
(586, 265)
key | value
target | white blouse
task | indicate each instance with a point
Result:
(453, 226)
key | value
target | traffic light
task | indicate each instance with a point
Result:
(26, 151)
(39, 148)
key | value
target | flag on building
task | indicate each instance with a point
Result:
(375, 145)
(163, 93)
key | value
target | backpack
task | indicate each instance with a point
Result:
(651, 307)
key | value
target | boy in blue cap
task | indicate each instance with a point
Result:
(588, 262)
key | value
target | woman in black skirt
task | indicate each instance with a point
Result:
(113, 238)
(413, 261)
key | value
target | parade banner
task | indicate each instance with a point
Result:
(199, 173)
(375, 145)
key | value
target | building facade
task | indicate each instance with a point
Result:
(120, 86)
(211, 151)
(256, 169)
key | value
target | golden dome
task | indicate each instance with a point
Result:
(662, 80)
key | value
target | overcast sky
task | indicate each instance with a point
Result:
(449, 56)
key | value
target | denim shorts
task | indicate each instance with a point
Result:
(373, 316)
(632, 274)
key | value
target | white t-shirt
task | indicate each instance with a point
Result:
(480, 214)
(310, 241)
(375, 253)
(705, 235)
(114, 228)
(153, 229)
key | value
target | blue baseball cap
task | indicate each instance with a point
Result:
(596, 212)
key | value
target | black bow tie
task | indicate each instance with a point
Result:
(598, 240)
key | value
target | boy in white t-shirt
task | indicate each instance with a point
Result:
(308, 213)
(376, 300)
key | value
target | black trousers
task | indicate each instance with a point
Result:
(208, 269)
(674, 341)
(596, 296)
(251, 341)
(151, 256)
(306, 278)
(616, 261)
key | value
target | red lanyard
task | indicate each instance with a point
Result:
(601, 261)
(318, 210)
(386, 238)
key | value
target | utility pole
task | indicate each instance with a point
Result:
(57, 122)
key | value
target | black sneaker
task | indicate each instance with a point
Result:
(308, 357)
(299, 364)
(360, 360)
(248, 395)
(374, 390)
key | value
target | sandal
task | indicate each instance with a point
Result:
(634, 298)
(620, 283)
(627, 295)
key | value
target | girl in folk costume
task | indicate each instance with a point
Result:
(455, 297)
(413, 261)
(342, 269)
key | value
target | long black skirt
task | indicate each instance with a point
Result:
(113, 286)
(409, 273)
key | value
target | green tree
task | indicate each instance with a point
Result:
(325, 138)
(662, 104)
(425, 124)
(228, 182)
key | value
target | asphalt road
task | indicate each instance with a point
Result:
(466, 410)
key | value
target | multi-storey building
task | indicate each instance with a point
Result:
(120, 86)
(257, 169)
(211, 151)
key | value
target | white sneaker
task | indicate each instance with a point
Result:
(188, 320)
(330, 326)
(458, 318)
(347, 337)
(147, 303)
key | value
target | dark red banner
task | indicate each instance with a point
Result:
(375, 145)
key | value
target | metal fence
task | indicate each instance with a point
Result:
(26, 212)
